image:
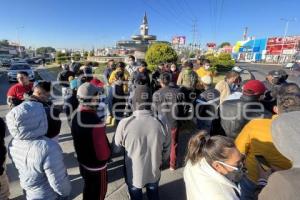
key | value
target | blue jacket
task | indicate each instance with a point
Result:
(38, 159)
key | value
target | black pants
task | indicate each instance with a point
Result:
(95, 184)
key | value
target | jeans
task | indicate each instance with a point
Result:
(248, 189)
(109, 100)
(174, 147)
(137, 193)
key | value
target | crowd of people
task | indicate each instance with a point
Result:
(246, 146)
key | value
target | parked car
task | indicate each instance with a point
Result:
(5, 63)
(293, 69)
(17, 60)
(15, 68)
(292, 65)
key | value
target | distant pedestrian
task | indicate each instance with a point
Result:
(63, 78)
(38, 159)
(155, 85)
(17, 93)
(175, 73)
(213, 168)
(146, 142)
(109, 69)
(227, 86)
(132, 65)
(204, 69)
(4, 184)
(90, 142)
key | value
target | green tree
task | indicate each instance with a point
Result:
(60, 57)
(76, 56)
(221, 62)
(91, 54)
(158, 53)
(45, 50)
(224, 44)
(85, 55)
(4, 43)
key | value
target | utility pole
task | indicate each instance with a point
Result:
(194, 32)
(18, 38)
(245, 35)
(287, 22)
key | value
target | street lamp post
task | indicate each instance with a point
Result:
(18, 38)
(287, 22)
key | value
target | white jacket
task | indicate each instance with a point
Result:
(203, 182)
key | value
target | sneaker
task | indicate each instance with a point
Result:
(172, 169)
(108, 120)
(113, 122)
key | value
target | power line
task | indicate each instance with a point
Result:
(173, 13)
(163, 17)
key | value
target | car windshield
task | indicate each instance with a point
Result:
(20, 67)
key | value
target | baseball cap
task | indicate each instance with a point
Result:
(206, 80)
(87, 91)
(254, 87)
(274, 73)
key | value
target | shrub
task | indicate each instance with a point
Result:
(160, 53)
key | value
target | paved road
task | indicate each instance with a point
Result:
(116, 189)
(171, 184)
(261, 70)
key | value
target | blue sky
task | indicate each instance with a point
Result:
(98, 23)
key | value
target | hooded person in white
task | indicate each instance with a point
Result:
(214, 168)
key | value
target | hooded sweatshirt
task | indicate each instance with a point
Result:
(38, 159)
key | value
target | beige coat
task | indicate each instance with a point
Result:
(224, 90)
(282, 185)
(202, 182)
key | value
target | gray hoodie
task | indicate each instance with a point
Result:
(38, 159)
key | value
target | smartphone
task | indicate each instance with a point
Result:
(263, 162)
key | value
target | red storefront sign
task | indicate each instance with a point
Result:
(277, 45)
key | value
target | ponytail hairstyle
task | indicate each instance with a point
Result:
(215, 148)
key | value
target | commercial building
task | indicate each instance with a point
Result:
(271, 50)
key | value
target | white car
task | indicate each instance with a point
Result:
(15, 68)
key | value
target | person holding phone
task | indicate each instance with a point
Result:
(255, 139)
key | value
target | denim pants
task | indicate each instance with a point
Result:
(137, 193)
(109, 100)
(248, 189)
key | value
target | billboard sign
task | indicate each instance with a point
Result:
(277, 45)
(178, 40)
(211, 45)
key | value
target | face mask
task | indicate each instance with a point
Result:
(236, 175)
(206, 67)
(173, 69)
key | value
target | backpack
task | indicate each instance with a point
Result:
(189, 79)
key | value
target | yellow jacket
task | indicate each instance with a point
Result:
(203, 72)
(256, 139)
(112, 78)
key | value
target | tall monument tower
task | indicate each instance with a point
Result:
(144, 27)
(144, 32)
